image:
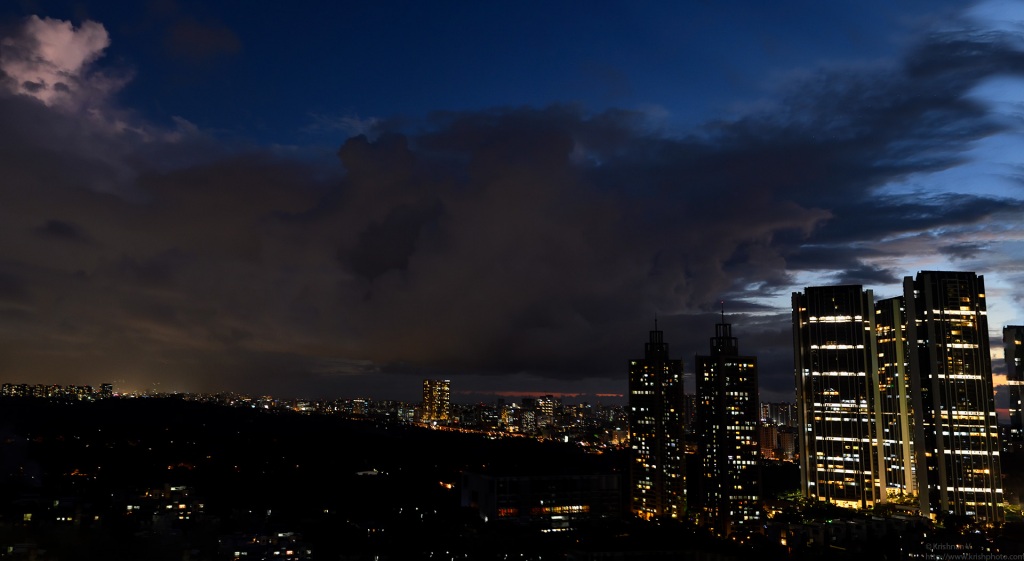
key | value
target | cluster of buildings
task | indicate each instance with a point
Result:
(778, 431)
(545, 416)
(894, 403)
(53, 391)
(162, 510)
(277, 546)
(896, 397)
(720, 483)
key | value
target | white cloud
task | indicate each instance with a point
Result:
(51, 61)
(1001, 15)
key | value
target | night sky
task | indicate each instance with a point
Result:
(327, 199)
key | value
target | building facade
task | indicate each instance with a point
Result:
(657, 472)
(894, 411)
(835, 364)
(958, 462)
(728, 421)
(554, 502)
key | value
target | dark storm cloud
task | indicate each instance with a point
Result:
(33, 87)
(675, 222)
(963, 250)
(12, 289)
(530, 241)
(832, 257)
(388, 244)
(868, 276)
(876, 216)
(961, 59)
(155, 272)
(64, 231)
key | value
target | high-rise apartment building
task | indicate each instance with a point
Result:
(437, 405)
(787, 444)
(835, 362)
(894, 410)
(657, 474)
(1013, 342)
(958, 461)
(690, 413)
(728, 421)
(769, 440)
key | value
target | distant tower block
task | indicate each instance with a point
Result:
(437, 405)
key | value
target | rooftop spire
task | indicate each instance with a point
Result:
(723, 342)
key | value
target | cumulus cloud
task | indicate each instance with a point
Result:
(50, 60)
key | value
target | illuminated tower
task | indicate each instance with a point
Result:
(894, 409)
(546, 411)
(437, 403)
(728, 421)
(958, 465)
(656, 432)
(1013, 340)
(835, 366)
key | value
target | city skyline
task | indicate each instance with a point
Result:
(518, 190)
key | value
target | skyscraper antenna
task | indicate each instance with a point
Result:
(723, 311)
(655, 321)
